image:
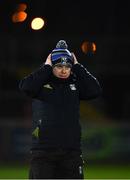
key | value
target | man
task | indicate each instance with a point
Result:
(56, 89)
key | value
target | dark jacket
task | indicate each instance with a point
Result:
(55, 105)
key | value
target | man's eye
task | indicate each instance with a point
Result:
(67, 67)
(59, 66)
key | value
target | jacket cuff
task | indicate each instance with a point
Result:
(78, 68)
(44, 71)
(47, 68)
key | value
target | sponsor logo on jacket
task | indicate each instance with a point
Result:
(48, 86)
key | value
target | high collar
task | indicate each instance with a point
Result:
(61, 81)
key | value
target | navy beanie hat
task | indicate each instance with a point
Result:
(61, 55)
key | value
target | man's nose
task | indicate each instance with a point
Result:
(63, 69)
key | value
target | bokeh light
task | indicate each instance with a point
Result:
(37, 23)
(88, 47)
(19, 16)
(21, 7)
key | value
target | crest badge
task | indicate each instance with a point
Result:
(72, 87)
(63, 60)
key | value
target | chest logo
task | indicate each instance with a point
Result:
(72, 87)
(47, 86)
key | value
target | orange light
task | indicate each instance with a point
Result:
(22, 7)
(84, 47)
(19, 16)
(88, 47)
(94, 47)
(37, 23)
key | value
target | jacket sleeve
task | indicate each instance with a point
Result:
(32, 83)
(89, 87)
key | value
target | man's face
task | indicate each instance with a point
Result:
(62, 71)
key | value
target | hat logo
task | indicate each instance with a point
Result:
(64, 60)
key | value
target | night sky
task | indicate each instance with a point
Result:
(104, 22)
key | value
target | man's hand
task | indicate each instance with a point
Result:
(48, 60)
(74, 58)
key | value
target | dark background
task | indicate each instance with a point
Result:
(22, 50)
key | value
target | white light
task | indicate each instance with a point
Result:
(37, 23)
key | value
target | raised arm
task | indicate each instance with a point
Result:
(89, 87)
(32, 83)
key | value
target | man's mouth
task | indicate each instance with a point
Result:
(63, 77)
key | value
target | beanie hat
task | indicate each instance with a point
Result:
(61, 55)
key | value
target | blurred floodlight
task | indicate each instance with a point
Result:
(37, 23)
(88, 47)
(19, 16)
(21, 7)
